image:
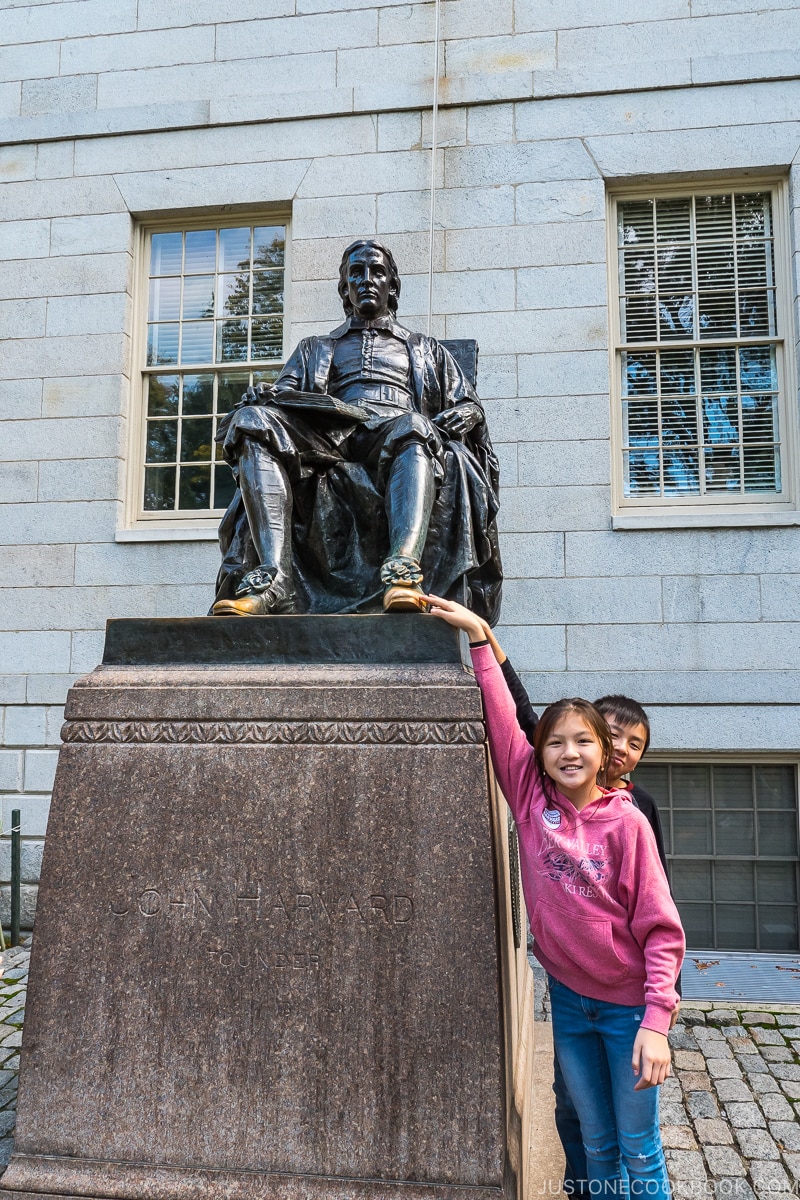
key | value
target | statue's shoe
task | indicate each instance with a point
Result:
(265, 602)
(404, 598)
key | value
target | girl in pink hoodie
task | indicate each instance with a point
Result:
(604, 923)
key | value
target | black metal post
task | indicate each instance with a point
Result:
(15, 875)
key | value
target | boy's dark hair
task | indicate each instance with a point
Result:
(627, 712)
(594, 721)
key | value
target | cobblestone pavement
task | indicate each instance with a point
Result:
(730, 1114)
(13, 985)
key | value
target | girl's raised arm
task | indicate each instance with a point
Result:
(512, 755)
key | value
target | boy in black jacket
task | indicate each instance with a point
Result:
(630, 732)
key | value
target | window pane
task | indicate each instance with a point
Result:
(224, 486)
(757, 369)
(754, 264)
(777, 834)
(775, 786)
(757, 314)
(733, 787)
(198, 297)
(679, 421)
(691, 880)
(692, 831)
(198, 394)
(698, 925)
(681, 472)
(691, 786)
(753, 215)
(736, 926)
(777, 882)
(735, 832)
(718, 370)
(159, 488)
(266, 374)
(267, 337)
(269, 248)
(198, 342)
(230, 389)
(717, 315)
(638, 319)
(231, 340)
(195, 487)
(162, 344)
(162, 395)
(676, 317)
(673, 220)
(234, 295)
(762, 470)
(234, 249)
(655, 780)
(162, 441)
(735, 881)
(759, 418)
(201, 251)
(722, 470)
(778, 928)
(165, 253)
(196, 439)
(639, 375)
(716, 266)
(714, 216)
(268, 292)
(165, 299)
(677, 372)
(636, 222)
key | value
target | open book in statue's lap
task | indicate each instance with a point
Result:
(364, 471)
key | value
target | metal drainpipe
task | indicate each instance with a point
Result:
(434, 130)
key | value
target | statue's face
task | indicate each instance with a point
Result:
(368, 283)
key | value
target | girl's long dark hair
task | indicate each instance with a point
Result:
(595, 721)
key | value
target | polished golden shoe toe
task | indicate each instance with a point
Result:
(404, 598)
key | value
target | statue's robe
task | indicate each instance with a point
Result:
(340, 535)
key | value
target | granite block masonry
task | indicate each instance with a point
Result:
(286, 870)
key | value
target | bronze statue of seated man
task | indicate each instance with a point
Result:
(365, 469)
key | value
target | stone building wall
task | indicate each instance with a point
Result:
(110, 113)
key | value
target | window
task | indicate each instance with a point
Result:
(215, 324)
(699, 366)
(731, 835)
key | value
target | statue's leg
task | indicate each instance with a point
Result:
(267, 498)
(409, 497)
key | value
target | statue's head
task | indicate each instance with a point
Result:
(357, 260)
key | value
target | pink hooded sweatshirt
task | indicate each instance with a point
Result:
(603, 920)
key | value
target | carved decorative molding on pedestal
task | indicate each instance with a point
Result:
(325, 733)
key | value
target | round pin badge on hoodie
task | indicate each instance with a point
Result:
(552, 818)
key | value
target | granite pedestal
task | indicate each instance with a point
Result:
(281, 842)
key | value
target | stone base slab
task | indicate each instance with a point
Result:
(124, 1181)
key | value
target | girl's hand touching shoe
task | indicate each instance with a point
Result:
(458, 616)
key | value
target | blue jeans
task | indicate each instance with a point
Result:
(576, 1179)
(594, 1043)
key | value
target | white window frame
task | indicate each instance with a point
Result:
(653, 512)
(137, 524)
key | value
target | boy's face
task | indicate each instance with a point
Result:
(629, 743)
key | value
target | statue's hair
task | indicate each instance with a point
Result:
(394, 274)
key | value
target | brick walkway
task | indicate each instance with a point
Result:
(730, 1114)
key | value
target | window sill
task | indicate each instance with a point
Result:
(703, 520)
(192, 533)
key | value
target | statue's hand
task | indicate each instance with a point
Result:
(459, 420)
(261, 394)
